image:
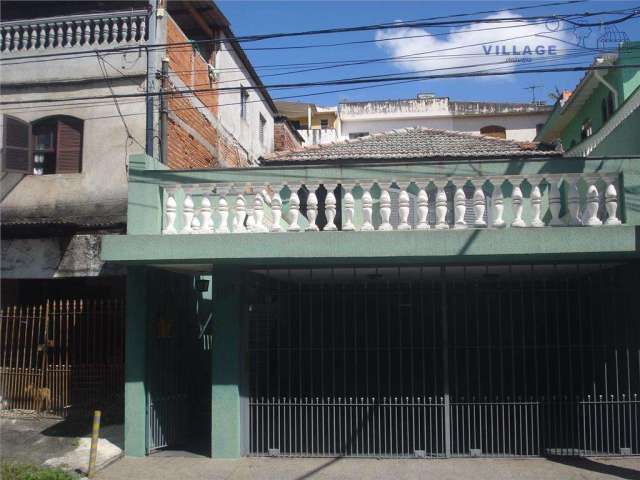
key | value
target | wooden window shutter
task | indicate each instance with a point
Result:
(69, 146)
(16, 145)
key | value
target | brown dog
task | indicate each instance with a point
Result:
(41, 397)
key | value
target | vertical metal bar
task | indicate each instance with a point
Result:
(445, 364)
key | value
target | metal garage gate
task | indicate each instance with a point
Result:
(444, 361)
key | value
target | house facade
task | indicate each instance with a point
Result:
(315, 124)
(65, 167)
(600, 116)
(416, 293)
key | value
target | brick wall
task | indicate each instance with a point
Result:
(185, 152)
(189, 65)
(208, 147)
(284, 138)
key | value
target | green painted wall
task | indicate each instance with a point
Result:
(227, 401)
(625, 81)
(623, 139)
(135, 405)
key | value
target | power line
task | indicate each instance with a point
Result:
(394, 25)
(345, 81)
(499, 65)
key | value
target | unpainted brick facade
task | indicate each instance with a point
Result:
(207, 148)
(285, 138)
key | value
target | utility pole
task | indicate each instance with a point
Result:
(164, 110)
(533, 91)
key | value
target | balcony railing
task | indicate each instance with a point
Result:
(318, 136)
(394, 203)
(90, 31)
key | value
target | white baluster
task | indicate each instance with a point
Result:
(516, 203)
(330, 208)
(97, 31)
(6, 45)
(42, 37)
(312, 207)
(223, 210)
(590, 217)
(16, 38)
(536, 205)
(349, 207)
(258, 210)
(52, 35)
(59, 35)
(143, 28)
(460, 208)
(187, 213)
(170, 208)
(78, 35)
(573, 202)
(498, 204)
(34, 36)
(206, 225)
(385, 208)
(555, 204)
(367, 207)
(134, 28)
(86, 37)
(479, 206)
(125, 29)
(114, 31)
(241, 214)
(68, 37)
(25, 38)
(611, 205)
(276, 210)
(423, 209)
(404, 206)
(441, 206)
(294, 208)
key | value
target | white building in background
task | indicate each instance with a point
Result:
(321, 125)
(513, 121)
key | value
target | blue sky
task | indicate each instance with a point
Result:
(451, 50)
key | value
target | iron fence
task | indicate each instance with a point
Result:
(63, 356)
(496, 360)
(357, 427)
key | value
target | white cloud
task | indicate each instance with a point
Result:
(472, 48)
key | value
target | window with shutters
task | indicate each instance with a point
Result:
(16, 145)
(57, 145)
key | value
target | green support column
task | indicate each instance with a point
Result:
(226, 398)
(135, 405)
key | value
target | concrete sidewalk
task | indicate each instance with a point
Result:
(162, 467)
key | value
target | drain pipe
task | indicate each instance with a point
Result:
(601, 79)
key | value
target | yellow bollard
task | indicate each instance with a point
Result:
(94, 443)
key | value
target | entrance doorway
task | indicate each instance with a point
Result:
(178, 368)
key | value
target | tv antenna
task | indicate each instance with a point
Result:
(533, 91)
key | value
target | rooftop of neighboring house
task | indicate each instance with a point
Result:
(416, 143)
(428, 103)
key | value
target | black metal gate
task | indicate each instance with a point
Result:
(499, 360)
(178, 368)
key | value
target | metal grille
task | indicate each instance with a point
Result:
(63, 357)
(499, 360)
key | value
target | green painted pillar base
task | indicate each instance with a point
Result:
(226, 399)
(135, 408)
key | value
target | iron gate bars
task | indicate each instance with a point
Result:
(496, 360)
